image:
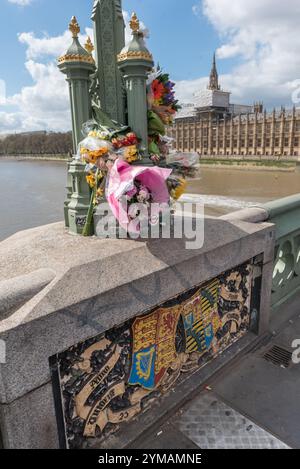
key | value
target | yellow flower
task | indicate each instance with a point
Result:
(91, 180)
(131, 159)
(83, 150)
(180, 189)
(92, 156)
(131, 153)
(98, 196)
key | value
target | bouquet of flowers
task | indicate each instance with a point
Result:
(162, 106)
(161, 97)
(126, 147)
(131, 192)
(176, 186)
(110, 150)
(99, 150)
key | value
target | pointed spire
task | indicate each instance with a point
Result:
(214, 77)
(214, 60)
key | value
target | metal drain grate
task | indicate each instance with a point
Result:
(278, 356)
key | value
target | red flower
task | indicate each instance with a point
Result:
(157, 89)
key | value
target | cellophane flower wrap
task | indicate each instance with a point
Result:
(132, 190)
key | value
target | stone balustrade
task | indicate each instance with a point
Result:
(285, 214)
(68, 300)
(64, 295)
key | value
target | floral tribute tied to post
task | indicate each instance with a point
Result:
(101, 150)
(137, 193)
(112, 154)
(162, 108)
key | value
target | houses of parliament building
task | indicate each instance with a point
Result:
(214, 126)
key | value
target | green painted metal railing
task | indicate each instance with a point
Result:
(285, 214)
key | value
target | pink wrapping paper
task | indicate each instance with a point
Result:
(121, 180)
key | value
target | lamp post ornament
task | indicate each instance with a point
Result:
(135, 63)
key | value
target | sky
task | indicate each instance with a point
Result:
(257, 43)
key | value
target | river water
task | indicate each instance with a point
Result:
(32, 192)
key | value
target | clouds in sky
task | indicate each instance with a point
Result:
(260, 36)
(46, 46)
(44, 104)
(21, 2)
(263, 35)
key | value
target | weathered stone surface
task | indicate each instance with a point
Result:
(18, 290)
(53, 248)
(102, 283)
(30, 422)
(266, 293)
(250, 214)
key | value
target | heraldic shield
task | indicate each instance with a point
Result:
(154, 347)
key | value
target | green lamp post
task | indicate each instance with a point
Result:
(77, 64)
(109, 38)
(135, 62)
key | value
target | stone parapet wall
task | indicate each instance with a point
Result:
(97, 286)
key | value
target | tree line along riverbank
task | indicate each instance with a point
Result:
(36, 144)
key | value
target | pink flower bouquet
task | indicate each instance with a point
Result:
(132, 189)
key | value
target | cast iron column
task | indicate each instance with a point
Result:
(135, 62)
(77, 64)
